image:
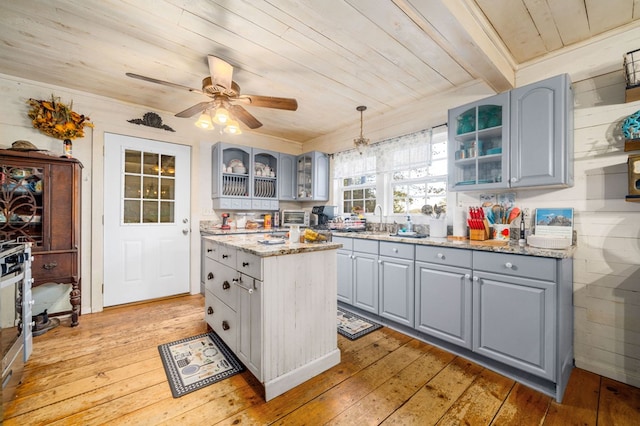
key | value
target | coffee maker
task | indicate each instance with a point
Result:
(323, 214)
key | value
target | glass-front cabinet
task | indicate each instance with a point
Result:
(312, 176)
(479, 144)
(22, 203)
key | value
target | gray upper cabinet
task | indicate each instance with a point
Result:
(312, 177)
(521, 138)
(231, 190)
(542, 133)
(479, 144)
(287, 177)
(265, 172)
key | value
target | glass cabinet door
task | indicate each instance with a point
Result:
(479, 144)
(304, 176)
(21, 203)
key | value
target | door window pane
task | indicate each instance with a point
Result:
(148, 178)
(151, 163)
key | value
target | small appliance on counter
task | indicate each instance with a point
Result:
(225, 221)
(322, 215)
(294, 217)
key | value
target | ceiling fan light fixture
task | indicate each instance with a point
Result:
(221, 116)
(204, 121)
(232, 128)
(361, 142)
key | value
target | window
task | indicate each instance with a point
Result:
(407, 172)
(149, 187)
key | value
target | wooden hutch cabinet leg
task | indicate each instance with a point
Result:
(74, 298)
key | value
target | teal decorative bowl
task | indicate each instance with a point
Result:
(631, 126)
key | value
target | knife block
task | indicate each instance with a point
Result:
(478, 234)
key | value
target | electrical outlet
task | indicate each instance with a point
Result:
(207, 212)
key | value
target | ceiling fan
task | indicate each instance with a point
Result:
(225, 96)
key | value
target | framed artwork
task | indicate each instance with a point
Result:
(557, 222)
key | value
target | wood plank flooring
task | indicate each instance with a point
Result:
(108, 371)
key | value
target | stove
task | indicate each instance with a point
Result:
(16, 341)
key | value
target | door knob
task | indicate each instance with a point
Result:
(185, 231)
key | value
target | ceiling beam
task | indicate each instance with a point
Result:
(456, 26)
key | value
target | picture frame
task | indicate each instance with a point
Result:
(554, 222)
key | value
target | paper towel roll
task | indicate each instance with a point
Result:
(460, 222)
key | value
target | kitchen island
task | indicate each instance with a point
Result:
(274, 305)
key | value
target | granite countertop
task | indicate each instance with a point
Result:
(250, 244)
(489, 245)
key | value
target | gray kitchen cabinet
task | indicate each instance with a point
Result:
(287, 177)
(444, 293)
(516, 139)
(396, 282)
(478, 149)
(312, 177)
(542, 133)
(514, 310)
(345, 269)
(265, 173)
(365, 275)
(250, 324)
(230, 190)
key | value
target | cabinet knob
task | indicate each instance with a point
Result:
(379, 261)
(509, 265)
(225, 325)
(210, 310)
(210, 276)
(467, 276)
(226, 285)
(224, 256)
(440, 256)
(245, 264)
(209, 250)
(476, 279)
(395, 250)
(513, 179)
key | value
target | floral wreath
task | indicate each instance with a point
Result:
(56, 119)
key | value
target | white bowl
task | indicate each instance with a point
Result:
(239, 169)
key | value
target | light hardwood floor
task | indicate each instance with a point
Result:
(108, 371)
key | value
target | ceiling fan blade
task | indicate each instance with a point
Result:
(243, 115)
(271, 102)
(166, 83)
(221, 72)
(190, 112)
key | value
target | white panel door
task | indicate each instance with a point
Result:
(146, 219)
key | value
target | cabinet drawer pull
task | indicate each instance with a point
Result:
(440, 256)
(210, 276)
(210, 310)
(50, 266)
(509, 265)
(225, 325)
(226, 285)
(224, 256)
(245, 264)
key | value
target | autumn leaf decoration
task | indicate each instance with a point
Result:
(57, 119)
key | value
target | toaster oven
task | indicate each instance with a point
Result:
(294, 217)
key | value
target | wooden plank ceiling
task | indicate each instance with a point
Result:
(331, 55)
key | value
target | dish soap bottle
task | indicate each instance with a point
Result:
(409, 224)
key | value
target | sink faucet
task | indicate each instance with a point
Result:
(374, 211)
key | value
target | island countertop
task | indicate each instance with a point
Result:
(251, 244)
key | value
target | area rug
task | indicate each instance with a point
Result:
(353, 326)
(196, 362)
